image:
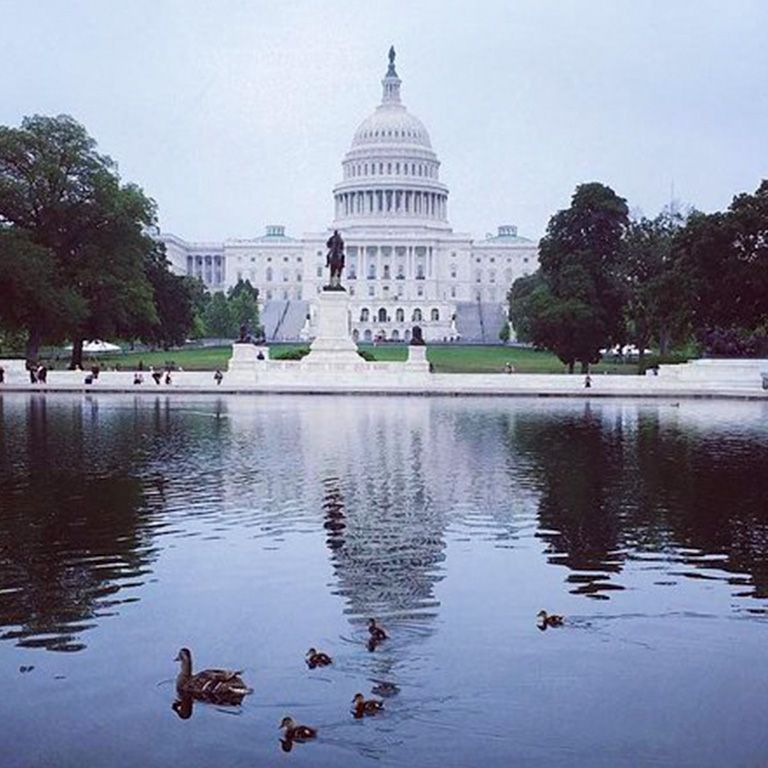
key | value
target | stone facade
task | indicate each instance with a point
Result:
(405, 266)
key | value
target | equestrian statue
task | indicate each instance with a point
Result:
(335, 260)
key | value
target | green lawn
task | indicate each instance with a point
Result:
(463, 358)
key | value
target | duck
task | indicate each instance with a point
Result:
(294, 732)
(550, 619)
(221, 685)
(362, 706)
(317, 658)
(376, 632)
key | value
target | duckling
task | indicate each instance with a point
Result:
(221, 685)
(294, 732)
(377, 633)
(362, 706)
(318, 659)
(384, 688)
(550, 619)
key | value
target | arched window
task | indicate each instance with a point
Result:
(386, 271)
(435, 314)
(364, 315)
(400, 315)
(407, 334)
(269, 274)
(355, 335)
(395, 335)
(367, 335)
(382, 315)
(416, 317)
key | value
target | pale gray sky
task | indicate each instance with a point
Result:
(233, 115)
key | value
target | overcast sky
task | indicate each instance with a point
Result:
(234, 115)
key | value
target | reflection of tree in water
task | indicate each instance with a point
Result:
(707, 493)
(73, 525)
(608, 487)
(386, 540)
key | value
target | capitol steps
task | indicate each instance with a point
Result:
(283, 320)
(479, 322)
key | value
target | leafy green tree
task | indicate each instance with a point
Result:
(34, 301)
(90, 232)
(723, 258)
(174, 298)
(244, 306)
(218, 317)
(653, 310)
(573, 306)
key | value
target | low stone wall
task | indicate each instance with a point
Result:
(413, 378)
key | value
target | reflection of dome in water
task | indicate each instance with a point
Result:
(386, 553)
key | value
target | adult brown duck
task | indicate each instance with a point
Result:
(216, 685)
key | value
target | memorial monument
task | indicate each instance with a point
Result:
(333, 345)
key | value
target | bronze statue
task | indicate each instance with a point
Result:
(335, 260)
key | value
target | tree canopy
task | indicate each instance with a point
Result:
(78, 260)
(573, 306)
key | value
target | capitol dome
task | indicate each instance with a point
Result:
(391, 172)
(391, 123)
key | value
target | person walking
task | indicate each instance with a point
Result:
(218, 376)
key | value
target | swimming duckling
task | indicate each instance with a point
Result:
(220, 685)
(318, 659)
(384, 688)
(550, 619)
(376, 632)
(294, 732)
(362, 706)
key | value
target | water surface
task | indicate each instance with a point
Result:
(249, 528)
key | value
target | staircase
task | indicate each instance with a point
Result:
(283, 320)
(480, 322)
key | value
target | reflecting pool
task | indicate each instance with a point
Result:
(251, 528)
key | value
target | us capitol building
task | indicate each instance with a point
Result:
(404, 266)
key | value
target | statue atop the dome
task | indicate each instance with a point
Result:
(335, 260)
(391, 71)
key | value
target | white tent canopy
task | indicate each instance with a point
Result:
(96, 346)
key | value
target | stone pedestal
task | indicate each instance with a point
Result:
(417, 359)
(333, 344)
(246, 357)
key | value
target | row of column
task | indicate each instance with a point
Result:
(210, 269)
(411, 259)
(403, 202)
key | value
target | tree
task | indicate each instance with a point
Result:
(89, 232)
(34, 302)
(724, 260)
(174, 297)
(244, 306)
(573, 306)
(218, 318)
(653, 309)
